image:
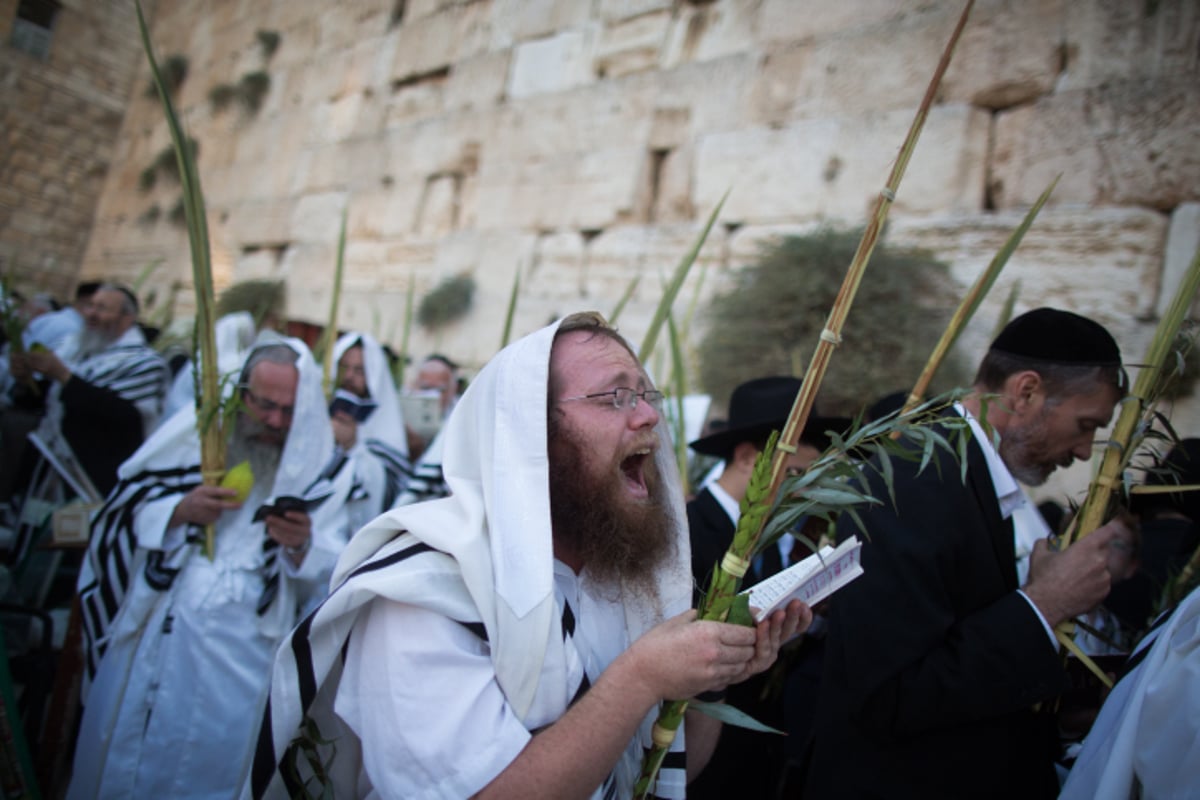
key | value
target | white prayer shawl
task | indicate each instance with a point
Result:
(482, 556)
(380, 453)
(234, 335)
(1146, 740)
(122, 577)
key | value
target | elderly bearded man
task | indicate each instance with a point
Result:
(516, 637)
(109, 385)
(937, 655)
(180, 646)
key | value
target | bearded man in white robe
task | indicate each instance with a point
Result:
(516, 637)
(178, 646)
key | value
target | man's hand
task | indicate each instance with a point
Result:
(683, 657)
(345, 429)
(204, 505)
(1067, 584)
(293, 531)
(50, 365)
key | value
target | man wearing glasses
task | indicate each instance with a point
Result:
(516, 637)
(179, 645)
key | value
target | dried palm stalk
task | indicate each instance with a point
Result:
(728, 574)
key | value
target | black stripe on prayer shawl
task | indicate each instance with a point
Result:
(263, 767)
(584, 685)
(675, 759)
(266, 763)
(568, 621)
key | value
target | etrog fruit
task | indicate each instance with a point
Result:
(241, 479)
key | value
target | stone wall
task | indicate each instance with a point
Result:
(584, 144)
(59, 118)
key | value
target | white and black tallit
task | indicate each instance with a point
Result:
(380, 455)
(168, 464)
(482, 557)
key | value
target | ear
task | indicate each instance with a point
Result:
(1023, 391)
(744, 454)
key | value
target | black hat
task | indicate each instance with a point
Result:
(760, 406)
(1058, 337)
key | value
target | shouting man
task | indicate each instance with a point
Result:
(516, 637)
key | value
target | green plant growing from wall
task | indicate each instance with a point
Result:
(148, 177)
(221, 95)
(178, 213)
(269, 42)
(174, 71)
(448, 301)
(252, 88)
(903, 308)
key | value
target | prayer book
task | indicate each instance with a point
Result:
(811, 580)
(359, 408)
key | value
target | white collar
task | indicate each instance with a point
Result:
(731, 507)
(1008, 492)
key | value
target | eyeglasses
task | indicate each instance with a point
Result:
(264, 405)
(623, 397)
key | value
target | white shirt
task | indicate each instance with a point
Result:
(419, 691)
(1028, 525)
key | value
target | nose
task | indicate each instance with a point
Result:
(275, 419)
(643, 415)
(1083, 449)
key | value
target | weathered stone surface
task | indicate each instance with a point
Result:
(787, 19)
(824, 168)
(1183, 242)
(520, 20)
(1097, 262)
(554, 64)
(478, 82)
(632, 45)
(1112, 40)
(1130, 142)
(317, 218)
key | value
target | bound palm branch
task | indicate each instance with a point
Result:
(511, 312)
(406, 333)
(208, 397)
(324, 349)
(728, 574)
(974, 297)
(1134, 425)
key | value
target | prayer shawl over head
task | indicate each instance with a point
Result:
(169, 464)
(382, 434)
(481, 556)
(234, 335)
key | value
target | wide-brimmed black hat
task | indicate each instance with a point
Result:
(760, 406)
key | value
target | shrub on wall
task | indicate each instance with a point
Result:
(769, 321)
(446, 302)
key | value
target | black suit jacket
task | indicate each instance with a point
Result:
(934, 661)
(711, 532)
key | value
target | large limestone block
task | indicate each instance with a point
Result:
(1114, 40)
(1101, 262)
(318, 218)
(478, 82)
(257, 222)
(554, 64)
(632, 45)
(1183, 242)
(702, 32)
(1127, 143)
(432, 43)
(617, 10)
(718, 94)
(520, 20)
(586, 190)
(800, 20)
(833, 168)
(386, 213)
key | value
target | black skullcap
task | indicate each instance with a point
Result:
(1058, 337)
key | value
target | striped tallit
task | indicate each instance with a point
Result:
(482, 557)
(167, 466)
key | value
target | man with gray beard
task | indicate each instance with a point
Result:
(939, 652)
(178, 644)
(108, 385)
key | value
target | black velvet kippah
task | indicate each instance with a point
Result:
(1058, 337)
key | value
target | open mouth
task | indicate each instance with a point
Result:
(633, 468)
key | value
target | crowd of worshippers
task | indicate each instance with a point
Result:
(446, 593)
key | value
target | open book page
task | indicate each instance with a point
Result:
(811, 580)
